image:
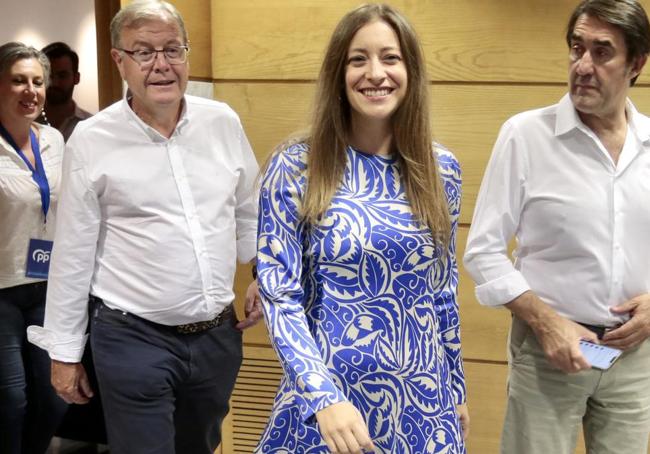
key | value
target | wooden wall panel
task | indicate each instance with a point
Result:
(466, 117)
(487, 61)
(486, 391)
(108, 77)
(196, 14)
(463, 40)
(484, 330)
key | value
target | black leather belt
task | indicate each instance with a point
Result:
(187, 328)
(598, 330)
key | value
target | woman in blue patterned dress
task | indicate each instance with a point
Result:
(356, 260)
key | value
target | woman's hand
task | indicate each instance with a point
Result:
(463, 416)
(343, 429)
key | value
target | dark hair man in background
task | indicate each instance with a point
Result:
(60, 109)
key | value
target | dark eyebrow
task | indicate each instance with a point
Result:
(575, 37)
(603, 42)
(598, 42)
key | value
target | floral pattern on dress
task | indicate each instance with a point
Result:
(360, 307)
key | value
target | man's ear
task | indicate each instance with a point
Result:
(76, 78)
(117, 57)
(638, 65)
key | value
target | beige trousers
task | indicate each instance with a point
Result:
(546, 407)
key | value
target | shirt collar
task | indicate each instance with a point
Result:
(567, 119)
(154, 135)
(640, 124)
(43, 136)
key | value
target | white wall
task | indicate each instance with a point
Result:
(40, 22)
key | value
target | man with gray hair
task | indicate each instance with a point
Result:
(571, 182)
(157, 202)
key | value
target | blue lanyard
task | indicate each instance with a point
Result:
(38, 173)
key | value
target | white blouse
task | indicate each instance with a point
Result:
(20, 204)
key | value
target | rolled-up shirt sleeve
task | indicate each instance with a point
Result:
(495, 222)
(72, 264)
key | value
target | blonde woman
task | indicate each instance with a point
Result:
(356, 258)
(30, 172)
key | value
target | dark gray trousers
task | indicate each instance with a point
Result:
(163, 392)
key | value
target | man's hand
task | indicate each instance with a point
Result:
(343, 429)
(558, 336)
(71, 382)
(560, 339)
(636, 329)
(463, 416)
(252, 307)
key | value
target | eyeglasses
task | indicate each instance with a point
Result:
(175, 55)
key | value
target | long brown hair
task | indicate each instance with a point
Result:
(411, 127)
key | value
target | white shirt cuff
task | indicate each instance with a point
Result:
(68, 349)
(246, 249)
(502, 290)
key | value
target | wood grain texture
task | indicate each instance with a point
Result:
(486, 398)
(108, 77)
(196, 15)
(484, 330)
(463, 40)
(466, 118)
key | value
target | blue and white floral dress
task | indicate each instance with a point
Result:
(360, 307)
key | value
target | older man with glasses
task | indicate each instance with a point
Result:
(157, 201)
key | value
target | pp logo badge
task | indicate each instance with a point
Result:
(41, 256)
(38, 258)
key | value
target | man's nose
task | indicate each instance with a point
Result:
(160, 61)
(585, 65)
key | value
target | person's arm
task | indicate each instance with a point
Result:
(280, 273)
(496, 219)
(445, 296)
(558, 336)
(71, 268)
(246, 225)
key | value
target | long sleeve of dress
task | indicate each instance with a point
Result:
(280, 259)
(445, 297)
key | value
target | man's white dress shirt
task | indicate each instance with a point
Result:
(151, 225)
(21, 212)
(581, 222)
